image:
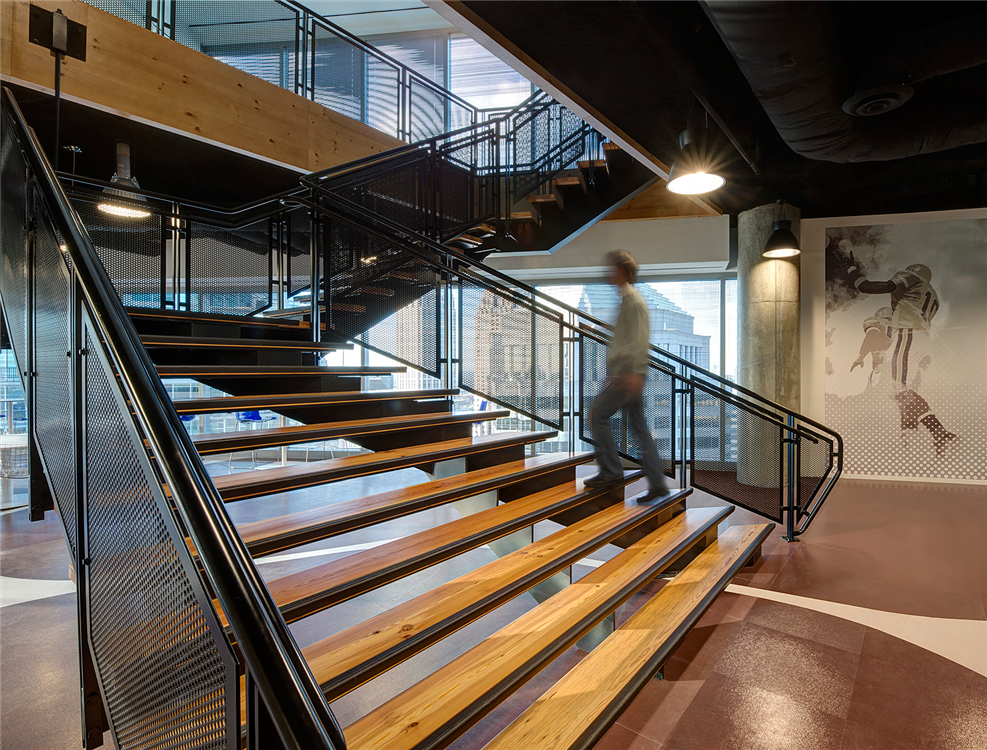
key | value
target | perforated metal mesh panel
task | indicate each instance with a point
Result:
(409, 334)
(659, 406)
(426, 111)
(130, 249)
(399, 194)
(510, 353)
(815, 463)
(257, 36)
(383, 96)
(134, 12)
(230, 268)
(753, 478)
(13, 243)
(339, 74)
(53, 386)
(299, 250)
(164, 682)
(464, 192)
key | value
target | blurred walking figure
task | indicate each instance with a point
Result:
(627, 365)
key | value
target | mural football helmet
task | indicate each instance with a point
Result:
(923, 272)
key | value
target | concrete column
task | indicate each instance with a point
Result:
(769, 310)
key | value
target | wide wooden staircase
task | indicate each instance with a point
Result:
(500, 486)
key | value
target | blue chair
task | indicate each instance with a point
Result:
(251, 419)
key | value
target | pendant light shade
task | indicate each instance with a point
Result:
(123, 178)
(692, 171)
(781, 243)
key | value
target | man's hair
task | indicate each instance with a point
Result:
(624, 261)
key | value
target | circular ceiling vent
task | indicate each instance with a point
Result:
(877, 100)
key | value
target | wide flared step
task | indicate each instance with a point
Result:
(576, 712)
(282, 532)
(283, 478)
(345, 660)
(439, 708)
(313, 589)
(226, 442)
(229, 404)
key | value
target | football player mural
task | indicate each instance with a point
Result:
(918, 411)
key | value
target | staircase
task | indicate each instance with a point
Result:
(181, 635)
(421, 430)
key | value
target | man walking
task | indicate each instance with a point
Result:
(627, 364)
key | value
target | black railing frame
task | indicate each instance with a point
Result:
(291, 695)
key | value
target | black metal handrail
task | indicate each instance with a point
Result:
(296, 705)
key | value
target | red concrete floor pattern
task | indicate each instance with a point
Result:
(760, 675)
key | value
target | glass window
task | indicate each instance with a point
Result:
(481, 78)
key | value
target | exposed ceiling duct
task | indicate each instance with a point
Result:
(790, 54)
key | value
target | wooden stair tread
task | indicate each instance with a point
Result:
(403, 275)
(285, 478)
(290, 312)
(550, 201)
(313, 589)
(274, 534)
(578, 179)
(345, 660)
(193, 317)
(283, 400)
(377, 291)
(444, 704)
(596, 164)
(199, 342)
(531, 216)
(611, 146)
(224, 442)
(579, 708)
(264, 371)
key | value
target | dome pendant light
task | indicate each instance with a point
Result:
(124, 178)
(692, 172)
(782, 242)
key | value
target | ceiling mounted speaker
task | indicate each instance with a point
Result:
(877, 100)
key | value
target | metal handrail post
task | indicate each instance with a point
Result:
(791, 483)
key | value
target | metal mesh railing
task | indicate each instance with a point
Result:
(154, 633)
(755, 478)
(153, 654)
(287, 44)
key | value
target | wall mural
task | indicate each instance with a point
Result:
(906, 348)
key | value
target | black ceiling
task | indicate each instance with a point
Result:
(639, 64)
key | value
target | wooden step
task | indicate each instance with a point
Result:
(229, 404)
(227, 442)
(576, 712)
(520, 216)
(595, 164)
(342, 662)
(289, 313)
(611, 146)
(282, 532)
(402, 275)
(542, 203)
(195, 342)
(348, 307)
(197, 372)
(576, 180)
(170, 316)
(313, 589)
(284, 478)
(439, 708)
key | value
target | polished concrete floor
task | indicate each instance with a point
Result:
(870, 633)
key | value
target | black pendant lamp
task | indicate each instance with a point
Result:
(692, 171)
(124, 179)
(782, 242)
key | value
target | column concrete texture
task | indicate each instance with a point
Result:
(769, 308)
